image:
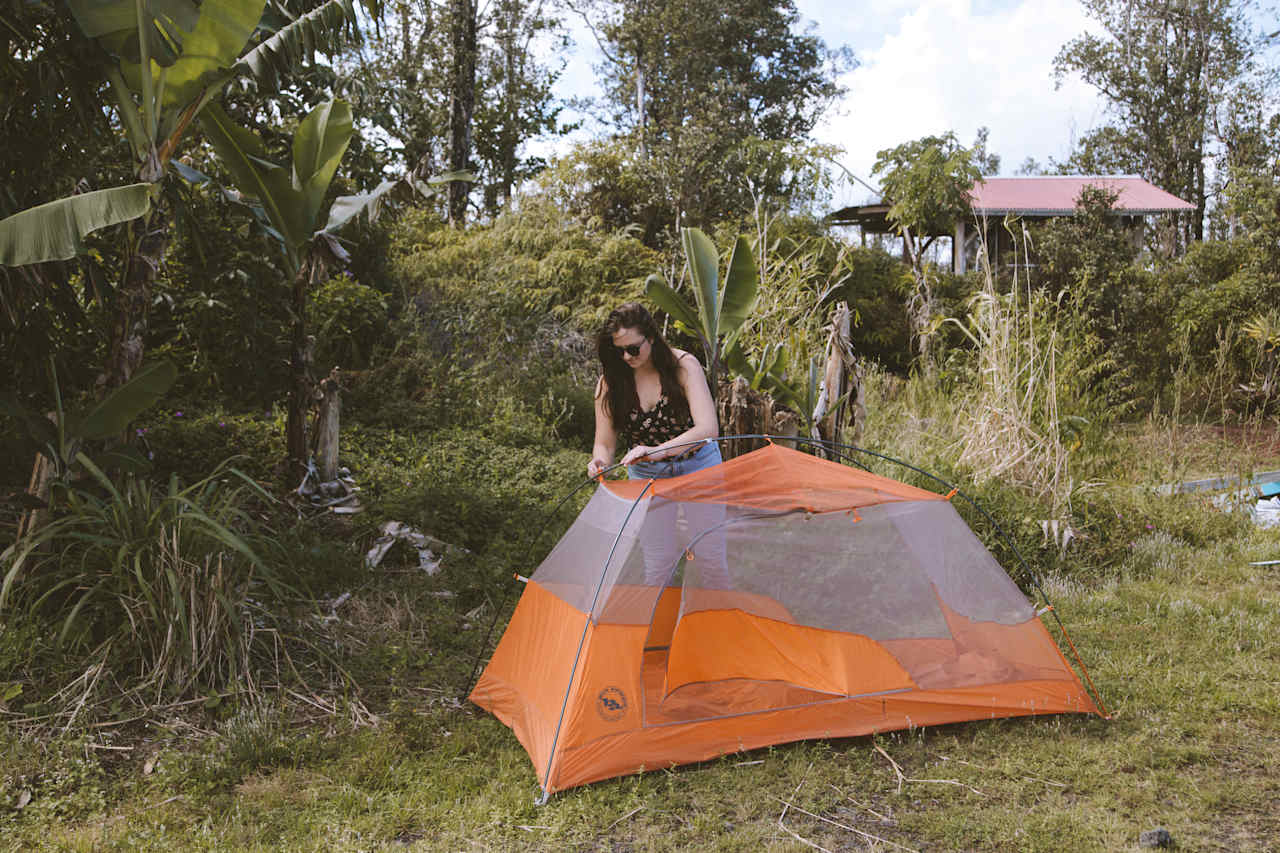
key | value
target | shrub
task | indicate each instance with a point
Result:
(190, 442)
(348, 320)
(494, 326)
(222, 312)
(1201, 345)
(168, 584)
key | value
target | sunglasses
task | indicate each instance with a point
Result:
(632, 350)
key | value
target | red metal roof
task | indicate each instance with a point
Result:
(1052, 195)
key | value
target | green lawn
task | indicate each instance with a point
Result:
(1180, 641)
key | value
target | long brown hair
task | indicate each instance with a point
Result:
(621, 397)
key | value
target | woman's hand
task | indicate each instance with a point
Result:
(639, 452)
(595, 466)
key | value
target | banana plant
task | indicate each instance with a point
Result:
(720, 312)
(289, 202)
(62, 439)
(163, 61)
(764, 372)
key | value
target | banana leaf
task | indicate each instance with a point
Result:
(125, 403)
(318, 146)
(55, 231)
(704, 263)
(741, 288)
(661, 294)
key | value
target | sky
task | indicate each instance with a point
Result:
(926, 67)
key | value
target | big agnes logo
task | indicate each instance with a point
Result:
(611, 704)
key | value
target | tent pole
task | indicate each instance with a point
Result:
(501, 608)
(586, 626)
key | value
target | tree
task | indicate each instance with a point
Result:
(1245, 174)
(55, 140)
(412, 86)
(164, 62)
(516, 101)
(1087, 258)
(291, 202)
(927, 184)
(1167, 69)
(987, 162)
(462, 98)
(707, 94)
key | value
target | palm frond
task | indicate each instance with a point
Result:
(325, 29)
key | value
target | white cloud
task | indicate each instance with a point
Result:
(947, 66)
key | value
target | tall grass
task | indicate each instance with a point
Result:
(1011, 424)
(1043, 393)
(156, 590)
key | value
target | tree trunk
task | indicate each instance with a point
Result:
(511, 110)
(462, 101)
(129, 325)
(839, 381)
(301, 391)
(515, 55)
(38, 488)
(743, 411)
(327, 427)
(640, 105)
(920, 305)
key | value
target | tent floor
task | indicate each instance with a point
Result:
(713, 699)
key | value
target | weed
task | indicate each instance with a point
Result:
(165, 585)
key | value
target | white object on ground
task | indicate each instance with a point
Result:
(1266, 512)
(431, 551)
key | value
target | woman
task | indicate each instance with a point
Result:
(655, 400)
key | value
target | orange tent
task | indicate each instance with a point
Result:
(772, 598)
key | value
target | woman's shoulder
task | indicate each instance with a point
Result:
(685, 359)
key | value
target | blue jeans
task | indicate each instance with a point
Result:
(663, 546)
(706, 456)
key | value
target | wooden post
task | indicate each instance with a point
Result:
(838, 378)
(38, 487)
(743, 411)
(327, 428)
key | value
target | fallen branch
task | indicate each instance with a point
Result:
(624, 817)
(896, 769)
(868, 808)
(786, 805)
(902, 777)
(866, 835)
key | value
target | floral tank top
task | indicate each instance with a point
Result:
(656, 425)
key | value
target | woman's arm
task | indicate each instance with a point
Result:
(606, 443)
(701, 407)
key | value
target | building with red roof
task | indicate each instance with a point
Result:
(1028, 198)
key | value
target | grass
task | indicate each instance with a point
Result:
(1179, 634)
